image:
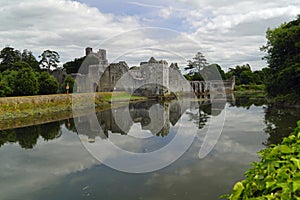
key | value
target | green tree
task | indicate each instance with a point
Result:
(47, 84)
(237, 71)
(26, 82)
(195, 65)
(29, 58)
(8, 57)
(49, 59)
(20, 65)
(247, 77)
(5, 90)
(10, 76)
(73, 66)
(283, 57)
(69, 80)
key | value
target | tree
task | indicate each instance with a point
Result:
(49, 59)
(5, 90)
(195, 65)
(26, 82)
(246, 77)
(47, 84)
(237, 71)
(73, 66)
(8, 56)
(20, 65)
(9, 77)
(29, 58)
(283, 57)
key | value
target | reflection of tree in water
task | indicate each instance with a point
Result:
(27, 137)
(248, 100)
(280, 122)
(202, 115)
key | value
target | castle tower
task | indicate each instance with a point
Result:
(102, 55)
(88, 51)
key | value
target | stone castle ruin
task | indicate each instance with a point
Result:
(151, 78)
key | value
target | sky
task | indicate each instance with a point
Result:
(228, 33)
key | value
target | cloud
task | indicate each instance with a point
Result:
(228, 32)
(62, 25)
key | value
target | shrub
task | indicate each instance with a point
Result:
(47, 84)
(276, 176)
(26, 83)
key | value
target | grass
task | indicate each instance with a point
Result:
(249, 88)
(15, 111)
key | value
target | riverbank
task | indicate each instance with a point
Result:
(276, 176)
(31, 110)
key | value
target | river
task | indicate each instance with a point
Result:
(72, 158)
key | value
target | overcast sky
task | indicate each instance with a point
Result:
(227, 32)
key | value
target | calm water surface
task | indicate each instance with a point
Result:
(48, 161)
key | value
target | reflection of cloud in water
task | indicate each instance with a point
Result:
(230, 158)
(25, 171)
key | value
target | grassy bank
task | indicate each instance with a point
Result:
(249, 88)
(30, 110)
(276, 176)
(289, 100)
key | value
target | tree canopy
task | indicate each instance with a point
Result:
(195, 65)
(20, 74)
(73, 66)
(8, 56)
(283, 57)
(49, 59)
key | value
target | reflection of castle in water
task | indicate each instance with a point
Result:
(153, 116)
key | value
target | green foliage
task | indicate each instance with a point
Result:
(8, 80)
(49, 59)
(29, 58)
(283, 56)
(47, 84)
(199, 69)
(20, 65)
(276, 176)
(8, 56)
(73, 66)
(5, 90)
(69, 80)
(242, 74)
(26, 82)
(244, 87)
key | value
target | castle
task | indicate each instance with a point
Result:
(151, 78)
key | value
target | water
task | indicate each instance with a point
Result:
(49, 161)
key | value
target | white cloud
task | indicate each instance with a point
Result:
(228, 32)
(62, 25)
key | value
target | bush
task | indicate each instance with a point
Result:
(5, 90)
(47, 84)
(26, 83)
(276, 176)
